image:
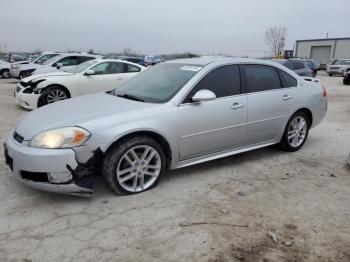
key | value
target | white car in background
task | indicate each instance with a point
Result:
(339, 67)
(92, 76)
(63, 62)
(23, 70)
(5, 66)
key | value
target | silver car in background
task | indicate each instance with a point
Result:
(172, 115)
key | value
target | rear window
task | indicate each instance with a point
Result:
(298, 65)
(287, 79)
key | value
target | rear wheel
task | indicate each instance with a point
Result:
(54, 94)
(330, 74)
(346, 81)
(134, 165)
(296, 132)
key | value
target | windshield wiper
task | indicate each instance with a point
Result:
(131, 97)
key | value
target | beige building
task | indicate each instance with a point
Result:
(321, 50)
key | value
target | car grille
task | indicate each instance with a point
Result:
(24, 84)
(18, 137)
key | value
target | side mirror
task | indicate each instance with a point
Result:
(203, 95)
(89, 72)
(58, 65)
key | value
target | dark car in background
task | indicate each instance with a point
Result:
(297, 65)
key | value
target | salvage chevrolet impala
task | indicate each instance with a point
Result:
(173, 115)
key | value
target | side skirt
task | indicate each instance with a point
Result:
(221, 154)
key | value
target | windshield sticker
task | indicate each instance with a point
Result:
(191, 68)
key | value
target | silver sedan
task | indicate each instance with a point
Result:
(173, 115)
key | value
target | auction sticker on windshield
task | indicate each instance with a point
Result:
(191, 68)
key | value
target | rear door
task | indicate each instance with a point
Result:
(268, 103)
(216, 125)
(107, 76)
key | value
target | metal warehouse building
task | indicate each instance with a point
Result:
(322, 49)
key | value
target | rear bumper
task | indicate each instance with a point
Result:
(46, 169)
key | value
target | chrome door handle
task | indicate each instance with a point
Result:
(287, 97)
(236, 106)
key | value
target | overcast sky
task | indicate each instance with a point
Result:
(234, 27)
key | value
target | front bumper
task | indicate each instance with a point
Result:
(50, 170)
(336, 71)
(27, 101)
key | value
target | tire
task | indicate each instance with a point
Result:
(21, 75)
(5, 73)
(54, 94)
(294, 143)
(330, 74)
(345, 82)
(120, 159)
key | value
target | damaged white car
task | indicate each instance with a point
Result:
(92, 76)
(173, 115)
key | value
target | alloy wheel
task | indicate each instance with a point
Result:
(56, 95)
(139, 168)
(297, 131)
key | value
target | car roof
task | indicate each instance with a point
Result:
(203, 61)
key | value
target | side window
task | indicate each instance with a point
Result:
(298, 65)
(101, 69)
(116, 68)
(82, 59)
(68, 61)
(261, 78)
(44, 58)
(222, 81)
(287, 79)
(131, 68)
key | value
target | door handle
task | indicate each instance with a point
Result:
(236, 106)
(287, 97)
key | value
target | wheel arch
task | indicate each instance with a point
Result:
(163, 142)
(307, 112)
(40, 100)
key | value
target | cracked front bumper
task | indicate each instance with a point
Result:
(45, 169)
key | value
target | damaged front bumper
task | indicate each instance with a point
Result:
(53, 170)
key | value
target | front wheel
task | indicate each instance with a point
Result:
(345, 81)
(54, 94)
(296, 132)
(134, 165)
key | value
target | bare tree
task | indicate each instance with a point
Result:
(90, 51)
(275, 38)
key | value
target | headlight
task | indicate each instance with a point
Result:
(65, 137)
(32, 86)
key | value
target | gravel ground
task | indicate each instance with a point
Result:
(264, 205)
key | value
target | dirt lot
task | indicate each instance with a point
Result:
(225, 210)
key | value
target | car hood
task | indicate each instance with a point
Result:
(79, 111)
(28, 66)
(58, 73)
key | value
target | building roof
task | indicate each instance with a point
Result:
(323, 39)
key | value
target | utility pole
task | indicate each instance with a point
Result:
(327, 35)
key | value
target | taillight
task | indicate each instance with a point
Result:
(324, 91)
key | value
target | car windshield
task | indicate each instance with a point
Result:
(81, 67)
(159, 83)
(53, 59)
(343, 62)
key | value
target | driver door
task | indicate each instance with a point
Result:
(216, 125)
